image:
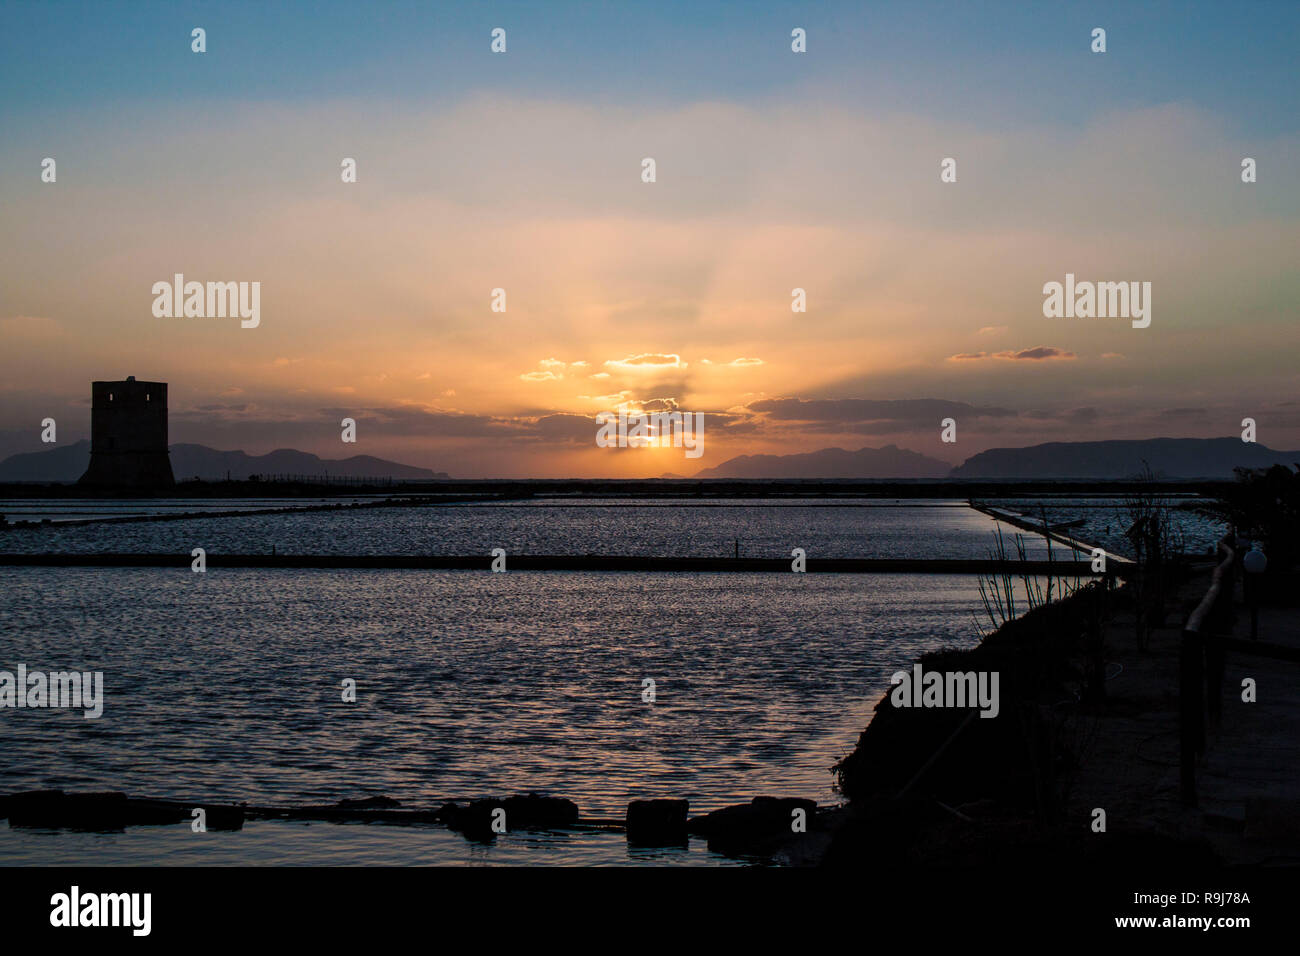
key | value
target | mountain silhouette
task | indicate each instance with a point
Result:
(1167, 457)
(68, 463)
(888, 462)
(61, 463)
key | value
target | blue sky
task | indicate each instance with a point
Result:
(1001, 62)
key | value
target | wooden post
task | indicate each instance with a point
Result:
(1214, 659)
(1191, 724)
(1202, 645)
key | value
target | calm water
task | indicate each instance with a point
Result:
(226, 686)
(81, 509)
(868, 528)
(1105, 520)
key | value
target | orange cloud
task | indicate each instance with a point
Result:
(647, 360)
(1036, 354)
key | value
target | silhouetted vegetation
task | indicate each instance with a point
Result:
(998, 591)
(1026, 757)
(1158, 547)
(1264, 505)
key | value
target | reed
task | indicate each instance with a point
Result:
(997, 589)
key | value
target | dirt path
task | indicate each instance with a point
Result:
(1248, 781)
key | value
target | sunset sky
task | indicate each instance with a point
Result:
(775, 170)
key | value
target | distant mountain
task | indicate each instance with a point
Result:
(888, 462)
(1167, 457)
(211, 465)
(61, 463)
(68, 463)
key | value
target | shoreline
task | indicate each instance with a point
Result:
(937, 789)
(1023, 522)
(616, 488)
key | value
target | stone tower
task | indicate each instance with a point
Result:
(128, 436)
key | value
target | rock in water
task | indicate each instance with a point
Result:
(538, 812)
(657, 822)
(532, 812)
(54, 809)
(758, 827)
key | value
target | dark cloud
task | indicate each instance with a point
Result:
(403, 420)
(1073, 416)
(1037, 353)
(562, 427)
(660, 405)
(902, 413)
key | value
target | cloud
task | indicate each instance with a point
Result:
(223, 408)
(647, 360)
(424, 422)
(870, 416)
(1036, 354)
(743, 362)
(1076, 416)
(551, 370)
(612, 270)
(563, 427)
(655, 405)
(614, 399)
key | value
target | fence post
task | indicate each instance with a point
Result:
(1191, 724)
(1214, 655)
(1200, 669)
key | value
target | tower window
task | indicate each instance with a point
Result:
(110, 396)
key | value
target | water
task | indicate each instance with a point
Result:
(226, 686)
(85, 509)
(867, 529)
(1105, 520)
